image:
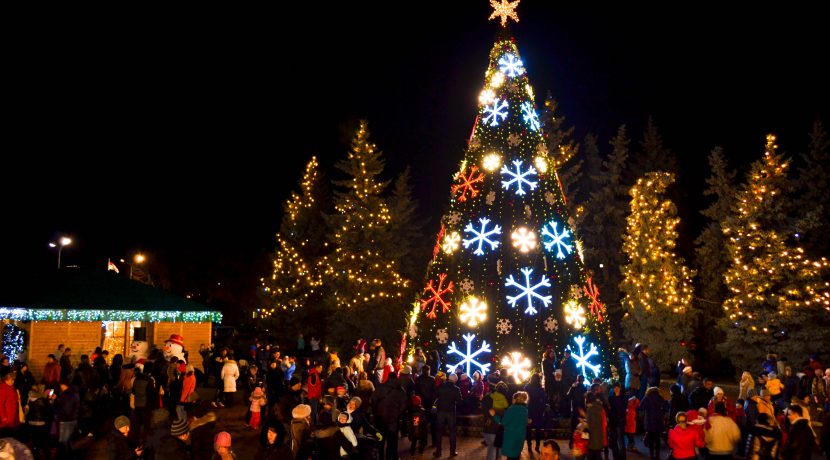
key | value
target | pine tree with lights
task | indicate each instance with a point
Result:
(604, 219)
(657, 287)
(507, 276)
(712, 258)
(361, 274)
(296, 285)
(779, 299)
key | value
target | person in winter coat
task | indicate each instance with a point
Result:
(537, 400)
(229, 374)
(9, 409)
(51, 373)
(39, 419)
(721, 397)
(493, 406)
(188, 389)
(632, 372)
(678, 403)
(654, 407)
(418, 422)
(800, 441)
(301, 430)
(515, 425)
(683, 439)
(405, 380)
(595, 416)
(257, 401)
(274, 443)
(617, 404)
(449, 396)
(23, 380)
(700, 396)
(764, 440)
(631, 421)
(746, 383)
(288, 401)
(425, 387)
(576, 394)
(118, 445)
(722, 434)
(389, 403)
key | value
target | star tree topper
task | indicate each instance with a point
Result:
(504, 10)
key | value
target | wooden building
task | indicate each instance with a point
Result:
(85, 309)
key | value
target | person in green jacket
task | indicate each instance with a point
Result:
(515, 426)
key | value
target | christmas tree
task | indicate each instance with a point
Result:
(778, 298)
(656, 286)
(507, 277)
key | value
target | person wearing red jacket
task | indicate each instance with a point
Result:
(52, 373)
(315, 389)
(9, 404)
(683, 439)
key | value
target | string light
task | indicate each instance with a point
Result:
(36, 314)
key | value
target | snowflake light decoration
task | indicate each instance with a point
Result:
(491, 162)
(487, 96)
(528, 291)
(551, 324)
(466, 183)
(530, 116)
(454, 218)
(517, 365)
(592, 291)
(503, 326)
(491, 198)
(583, 359)
(469, 357)
(518, 177)
(481, 236)
(541, 149)
(492, 113)
(576, 291)
(473, 311)
(496, 80)
(436, 296)
(451, 242)
(513, 140)
(475, 143)
(551, 200)
(574, 314)
(557, 239)
(541, 164)
(523, 239)
(511, 65)
(441, 336)
(504, 10)
(467, 285)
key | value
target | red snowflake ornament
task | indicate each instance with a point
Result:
(597, 307)
(436, 298)
(466, 183)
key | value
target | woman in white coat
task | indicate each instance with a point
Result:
(229, 375)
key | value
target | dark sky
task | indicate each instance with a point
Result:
(182, 137)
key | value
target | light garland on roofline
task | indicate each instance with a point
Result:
(154, 316)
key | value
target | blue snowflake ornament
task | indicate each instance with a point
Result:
(528, 291)
(530, 116)
(583, 359)
(481, 236)
(518, 177)
(511, 65)
(470, 356)
(557, 239)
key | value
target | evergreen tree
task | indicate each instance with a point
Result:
(604, 221)
(409, 248)
(362, 274)
(778, 297)
(712, 256)
(564, 153)
(295, 287)
(652, 155)
(657, 286)
(813, 193)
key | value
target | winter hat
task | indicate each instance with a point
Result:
(340, 387)
(121, 421)
(301, 411)
(406, 370)
(357, 401)
(182, 426)
(415, 400)
(453, 377)
(258, 392)
(177, 339)
(687, 370)
(718, 390)
(328, 399)
(222, 439)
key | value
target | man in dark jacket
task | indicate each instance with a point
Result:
(118, 445)
(569, 371)
(388, 404)
(289, 401)
(449, 395)
(425, 388)
(142, 389)
(67, 409)
(801, 440)
(701, 395)
(616, 421)
(174, 447)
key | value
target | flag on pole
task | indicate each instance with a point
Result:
(111, 266)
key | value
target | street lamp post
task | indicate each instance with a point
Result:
(138, 259)
(64, 241)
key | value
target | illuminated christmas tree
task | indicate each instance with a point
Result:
(656, 286)
(507, 276)
(778, 299)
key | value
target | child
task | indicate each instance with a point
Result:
(341, 399)
(417, 420)
(580, 441)
(631, 421)
(257, 401)
(344, 421)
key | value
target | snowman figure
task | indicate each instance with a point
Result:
(138, 350)
(174, 346)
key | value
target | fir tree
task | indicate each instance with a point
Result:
(564, 153)
(778, 297)
(657, 286)
(604, 222)
(409, 248)
(652, 155)
(813, 191)
(712, 256)
(361, 274)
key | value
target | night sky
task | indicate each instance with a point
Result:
(182, 137)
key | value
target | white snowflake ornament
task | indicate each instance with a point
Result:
(470, 356)
(551, 324)
(467, 285)
(482, 236)
(491, 198)
(513, 140)
(518, 177)
(442, 336)
(528, 290)
(550, 198)
(503, 326)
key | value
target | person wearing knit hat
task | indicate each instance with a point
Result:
(222, 445)
(180, 427)
(175, 445)
(301, 411)
(417, 420)
(118, 445)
